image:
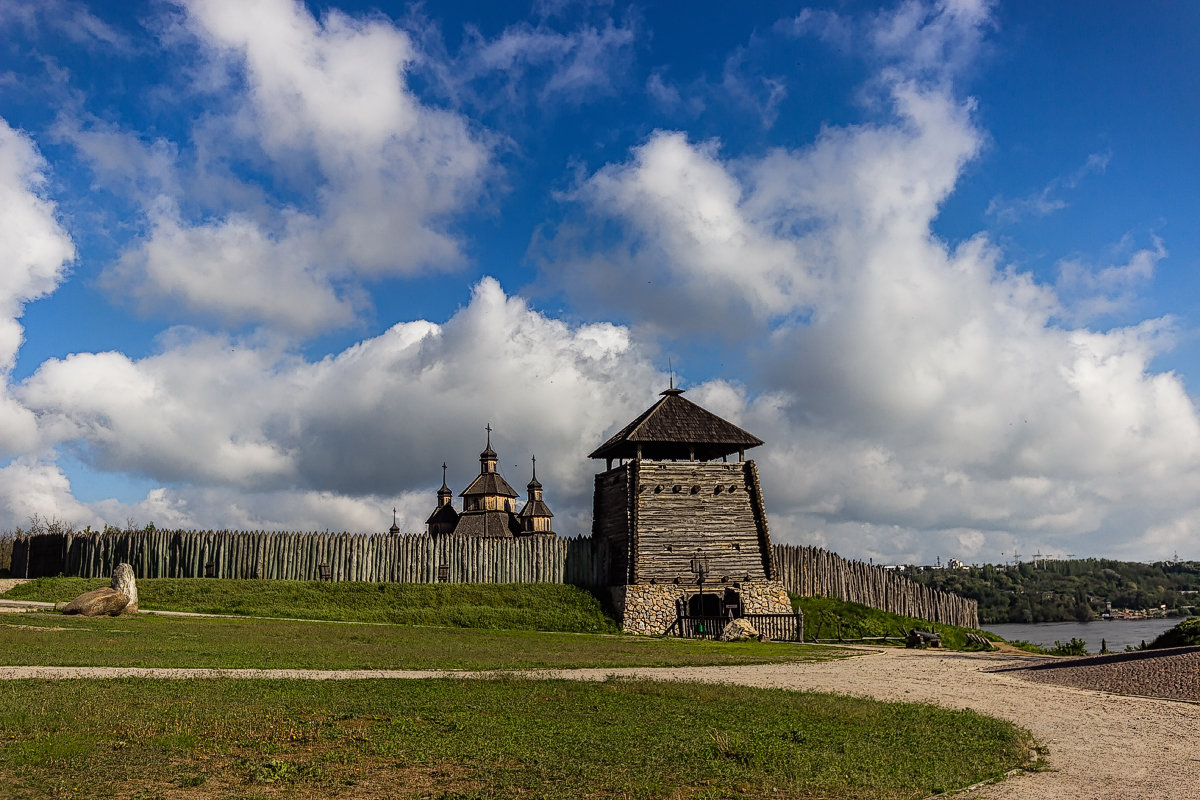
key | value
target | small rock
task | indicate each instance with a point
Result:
(738, 630)
(122, 581)
(104, 600)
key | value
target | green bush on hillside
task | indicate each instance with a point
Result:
(1185, 634)
(1075, 647)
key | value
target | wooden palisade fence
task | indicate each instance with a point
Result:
(420, 558)
(397, 558)
(813, 572)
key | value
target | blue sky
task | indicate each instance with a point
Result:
(269, 264)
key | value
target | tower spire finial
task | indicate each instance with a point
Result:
(489, 434)
(443, 473)
(534, 459)
(393, 515)
(671, 370)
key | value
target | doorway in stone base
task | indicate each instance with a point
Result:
(704, 605)
(731, 604)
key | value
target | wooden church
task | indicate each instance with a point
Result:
(489, 510)
(682, 524)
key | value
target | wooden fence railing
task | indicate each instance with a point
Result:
(407, 558)
(774, 627)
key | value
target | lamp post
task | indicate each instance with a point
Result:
(699, 567)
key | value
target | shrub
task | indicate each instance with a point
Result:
(1182, 635)
(1075, 647)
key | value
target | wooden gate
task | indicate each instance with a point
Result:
(775, 627)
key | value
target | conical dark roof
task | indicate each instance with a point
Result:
(445, 513)
(489, 483)
(535, 508)
(677, 428)
(534, 483)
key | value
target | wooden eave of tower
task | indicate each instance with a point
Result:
(676, 429)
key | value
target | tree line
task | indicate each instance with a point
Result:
(1060, 590)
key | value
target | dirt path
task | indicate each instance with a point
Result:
(1101, 746)
(8, 583)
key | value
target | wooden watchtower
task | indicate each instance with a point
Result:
(681, 523)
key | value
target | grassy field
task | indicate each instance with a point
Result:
(506, 738)
(510, 606)
(50, 639)
(825, 618)
(545, 607)
(482, 739)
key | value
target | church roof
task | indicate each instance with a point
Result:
(487, 524)
(675, 428)
(489, 483)
(444, 513)
(534, 483)
(535, 508)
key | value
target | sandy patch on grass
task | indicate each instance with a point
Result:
(41, 628)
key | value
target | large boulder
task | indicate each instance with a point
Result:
(97, 602)
(122, 581)
(738, 630)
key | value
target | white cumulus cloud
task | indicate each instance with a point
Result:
(918, 397)
(35, 252)
(323, 107)
(248, 427)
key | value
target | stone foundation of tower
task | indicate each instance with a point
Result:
(651, 608)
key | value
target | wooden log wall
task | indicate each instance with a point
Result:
(614, 512)
(398, 558)
(405, 558)
(688, 509)
(814, 572)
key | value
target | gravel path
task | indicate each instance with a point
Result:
(1101, 746)
(1172, 674)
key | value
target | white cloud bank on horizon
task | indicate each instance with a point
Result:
(242, 426)
(917, 398)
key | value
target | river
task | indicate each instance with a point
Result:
(1116, 633)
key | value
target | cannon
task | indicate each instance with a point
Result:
(918, 638)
